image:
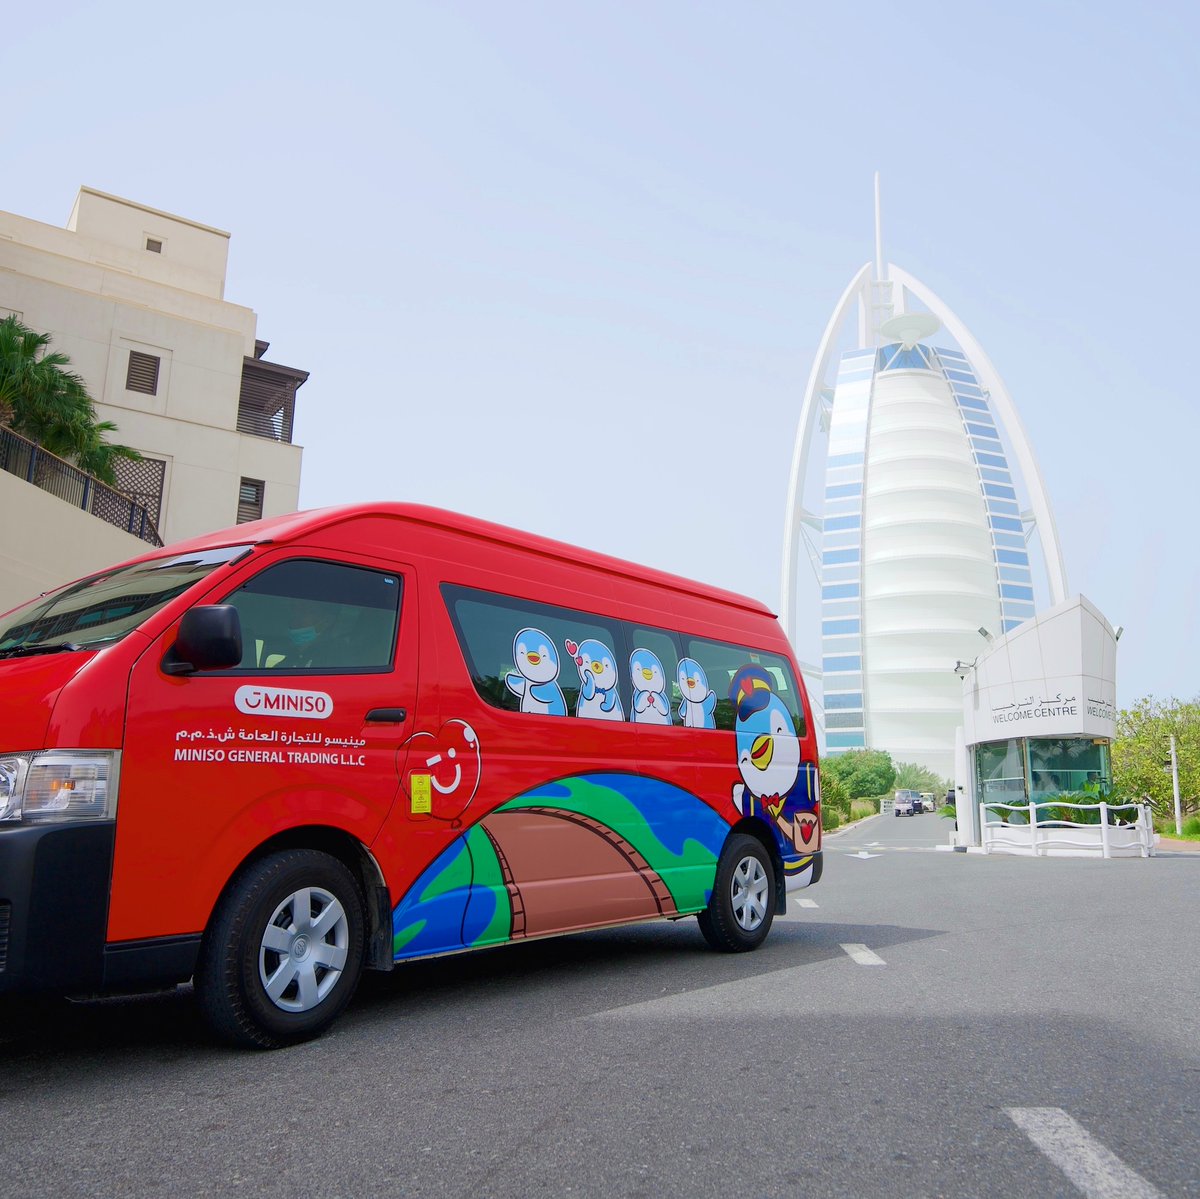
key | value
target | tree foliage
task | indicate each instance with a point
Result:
(45, 401)
(833, 792)
(919, 778)
(862, 772)
(1141, 753)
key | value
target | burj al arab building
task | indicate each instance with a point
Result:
(915, 498)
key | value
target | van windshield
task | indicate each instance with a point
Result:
(103, 608)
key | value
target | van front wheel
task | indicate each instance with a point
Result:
(284, 952)
(739, 914)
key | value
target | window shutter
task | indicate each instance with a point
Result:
(143, 373)
(250, 500)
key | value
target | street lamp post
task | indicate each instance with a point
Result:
(1175, 788)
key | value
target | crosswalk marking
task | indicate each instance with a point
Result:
(878, 849)
(1095, 1170)
(863, 956)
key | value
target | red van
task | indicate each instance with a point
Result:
(271, 756)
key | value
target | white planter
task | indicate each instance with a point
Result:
(1069, 840)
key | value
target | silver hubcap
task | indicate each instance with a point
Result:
(303, 950)
(749, 893)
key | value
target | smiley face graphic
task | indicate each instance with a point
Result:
(448, 763)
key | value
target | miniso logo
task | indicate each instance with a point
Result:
(282, 701)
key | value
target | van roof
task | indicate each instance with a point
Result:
(297, 525)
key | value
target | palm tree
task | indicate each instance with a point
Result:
(98, 457)
(20, 351)
(42, 399)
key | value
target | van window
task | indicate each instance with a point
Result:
(305, 615)
(721, 662)
(522, 656)
(105, 607)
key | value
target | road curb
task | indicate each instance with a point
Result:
(845, 828)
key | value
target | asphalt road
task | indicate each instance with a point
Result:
(1028, 1022)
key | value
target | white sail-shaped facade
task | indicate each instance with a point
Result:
(918, 535)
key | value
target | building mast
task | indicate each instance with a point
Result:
(878, 234)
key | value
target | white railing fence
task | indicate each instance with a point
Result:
(1024, 832)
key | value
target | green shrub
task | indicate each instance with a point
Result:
(834, 794)
(1166, 826)
(861, 771)
(830, 818)
(1089, 814)
(860, 809)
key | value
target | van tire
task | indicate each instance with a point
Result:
(742, 906)
(259, 934)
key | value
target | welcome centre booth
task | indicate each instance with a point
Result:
(1039, 716)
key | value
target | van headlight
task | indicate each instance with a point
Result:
(58, 785)
(13, 768)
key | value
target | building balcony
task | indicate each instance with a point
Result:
(29, 461)
(267, 403)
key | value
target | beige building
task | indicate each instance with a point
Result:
(136, 298)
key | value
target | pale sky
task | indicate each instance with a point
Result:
(565, 265)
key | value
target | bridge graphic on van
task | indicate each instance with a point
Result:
(589, 850)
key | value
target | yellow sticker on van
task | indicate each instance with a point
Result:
(422, 796)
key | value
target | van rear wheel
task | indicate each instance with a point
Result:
(742, 907)
(284, 952)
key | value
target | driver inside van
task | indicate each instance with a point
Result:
(312, 636)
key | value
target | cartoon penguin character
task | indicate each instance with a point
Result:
(535, 679)
(649, 703)
(598, 698)
(773, 785)
(699, 702)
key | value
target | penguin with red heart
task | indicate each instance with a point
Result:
(597, 666)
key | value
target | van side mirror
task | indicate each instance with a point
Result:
(210, 638)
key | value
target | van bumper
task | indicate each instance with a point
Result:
(54, 884)
(802, 870)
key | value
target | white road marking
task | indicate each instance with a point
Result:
(1096, 1171)
(862, 853)
(872, 844)
(807, 903)
(863, 956)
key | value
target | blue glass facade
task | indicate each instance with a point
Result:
(1013, 575)
(841, 557)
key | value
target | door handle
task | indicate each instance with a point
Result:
(387, 715)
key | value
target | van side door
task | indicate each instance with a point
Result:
(303, 732)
